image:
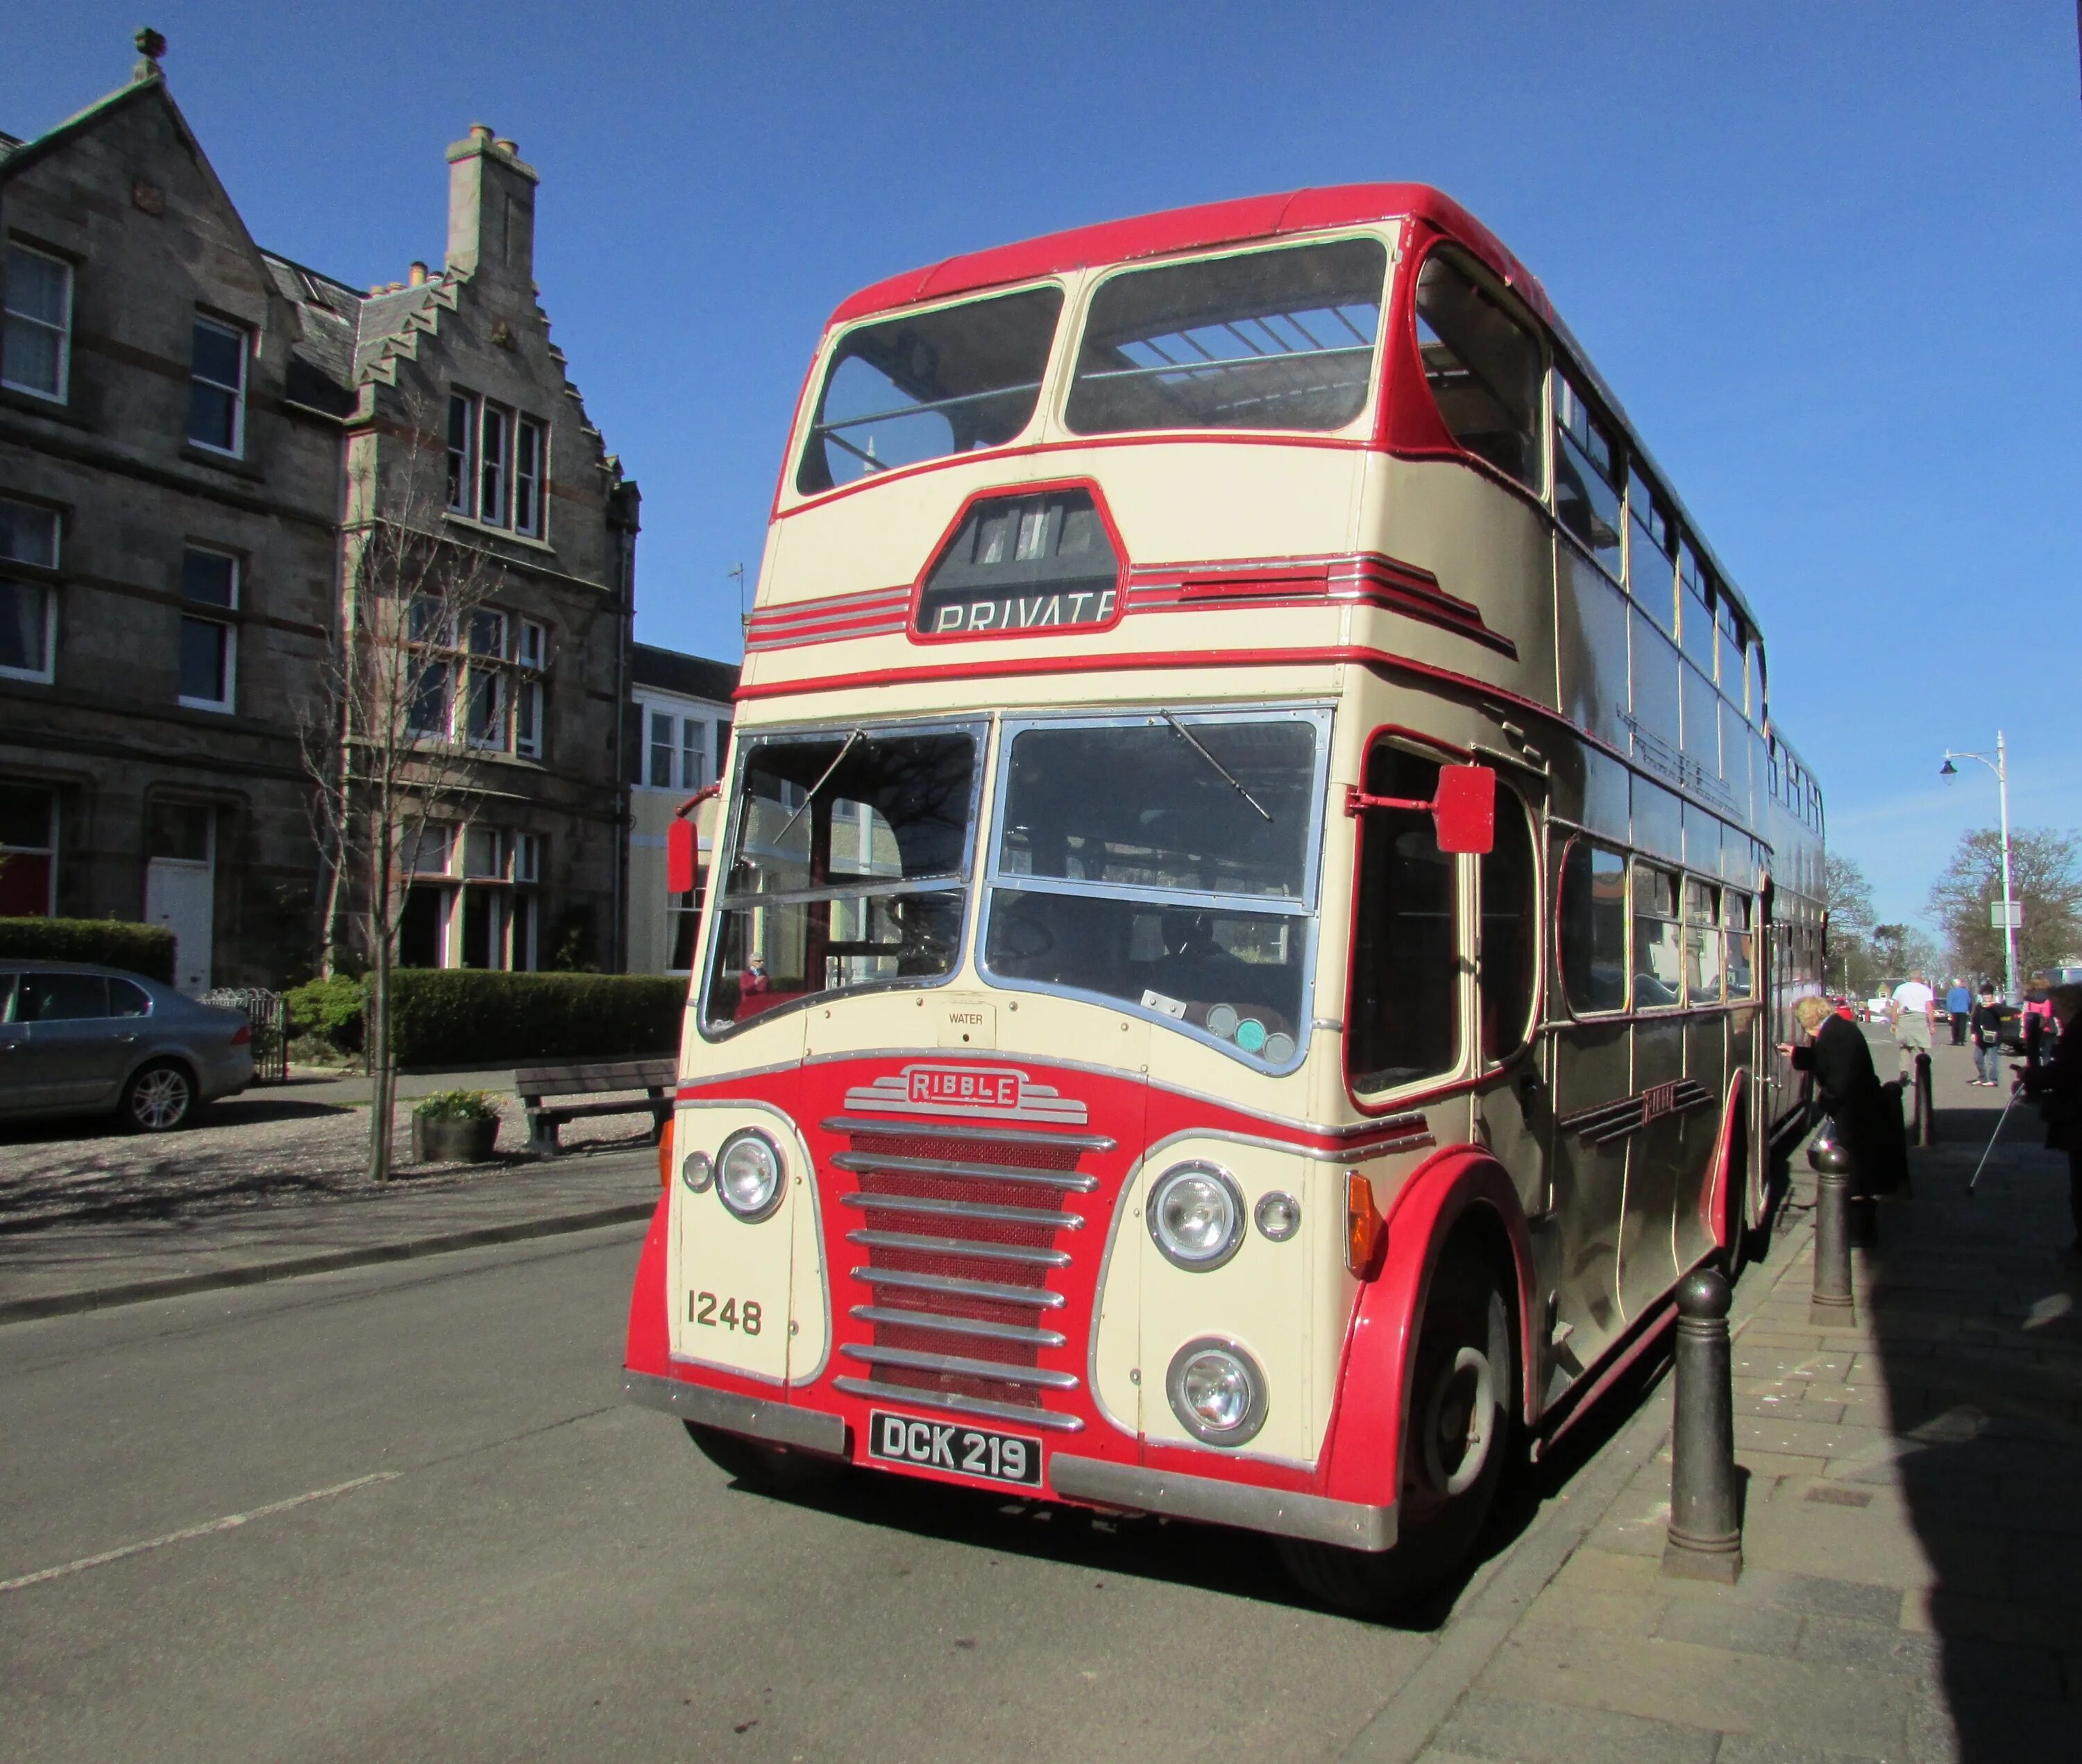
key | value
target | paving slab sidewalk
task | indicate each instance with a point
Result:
(86, 1266)
(1913, 1522)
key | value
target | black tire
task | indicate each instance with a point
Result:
(769, 1469)
(1453, 1455)
(159, 1098)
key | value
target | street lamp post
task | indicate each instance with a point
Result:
(2001, 766)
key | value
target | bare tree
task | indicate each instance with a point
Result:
(1848, 899)
(2045, 878)
(412, 678)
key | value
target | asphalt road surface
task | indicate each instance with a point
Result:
(402, 1514)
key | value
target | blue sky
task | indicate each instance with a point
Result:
(1827, 255)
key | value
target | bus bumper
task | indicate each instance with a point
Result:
(1282, 1512)
(775, 1423)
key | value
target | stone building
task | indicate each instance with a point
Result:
(197, 438)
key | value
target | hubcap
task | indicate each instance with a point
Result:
(1460, 1423)
(160, 1099)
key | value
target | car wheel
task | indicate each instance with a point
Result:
(159, 1099)
(769, 1469)
(1457, 1437)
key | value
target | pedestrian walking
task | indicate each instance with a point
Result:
(1863, 1118)
(2038, 1014)
(1986, 1024)
(2057, 1087)
(1959, 1006)
(1915, 1016)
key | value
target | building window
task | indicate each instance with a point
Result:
(217, 388)
(530, 463)
(29, 606)
(485, 723)
(532, 656)
(662, 750)
(694, 753)
(28, 851)
(524, 917)
(492, 466)
(36, 341)
(427, 712)
(463, 453)
(209, 579)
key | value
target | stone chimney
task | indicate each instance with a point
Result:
(492, 210)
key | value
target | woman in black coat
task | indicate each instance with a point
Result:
(1865, 1121)
(2058, 1087)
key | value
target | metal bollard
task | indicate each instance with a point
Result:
(1705, 1537)
(1832, 1306)
(1926, 1103)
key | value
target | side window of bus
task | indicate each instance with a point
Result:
(1593, 921)
(1483, 367)
(1658, 961)
(1702, 942)
(1741, 983)
(929, 385)
(1406, 1011)
(1651, 534)
(1587, 476)
(1509, 941)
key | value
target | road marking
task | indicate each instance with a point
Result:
(229, 1522)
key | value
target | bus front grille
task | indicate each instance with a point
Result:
(969, 1233)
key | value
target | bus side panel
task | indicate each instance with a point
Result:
(1656, 1170)
(649, 1348)
(1593, 1066)
(1705, 1059)
(1361, 1459)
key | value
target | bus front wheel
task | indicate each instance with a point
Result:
(1458, 1436)
(769, 1469)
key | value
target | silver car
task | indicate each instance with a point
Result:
(77, 1040)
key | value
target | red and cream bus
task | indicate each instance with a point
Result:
(1255, 893)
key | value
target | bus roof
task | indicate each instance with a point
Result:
(1197, 228)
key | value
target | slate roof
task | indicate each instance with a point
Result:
(674, 670)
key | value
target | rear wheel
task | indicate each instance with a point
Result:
(158, 1099)
(1457, 1436)
(770, 1469)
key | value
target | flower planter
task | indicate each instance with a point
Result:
(453, 1142)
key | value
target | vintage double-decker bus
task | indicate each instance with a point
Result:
(1254, 895)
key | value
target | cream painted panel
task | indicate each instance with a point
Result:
(1287, 1302)
(1175, 501)
(777, 1263)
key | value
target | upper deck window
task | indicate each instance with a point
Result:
(1483, 367)
(1272, 340)
(927, 384)
(1586, 475)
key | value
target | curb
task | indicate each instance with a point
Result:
(1399, 1730)
(180, 1285)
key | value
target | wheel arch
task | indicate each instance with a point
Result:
(1461, 1191)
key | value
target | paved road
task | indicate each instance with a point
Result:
(542, 1572)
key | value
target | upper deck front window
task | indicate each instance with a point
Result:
(1167, 863)
(847, 861)
(927, 384)
(1272, 340)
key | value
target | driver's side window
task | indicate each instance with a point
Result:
(1404, 1024)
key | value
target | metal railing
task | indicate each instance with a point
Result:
(270, 1024)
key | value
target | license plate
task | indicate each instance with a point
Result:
(968, 1451)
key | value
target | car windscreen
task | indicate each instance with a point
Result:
(1271, 339)
(926, 385)
(1165, 862)
(847, 852)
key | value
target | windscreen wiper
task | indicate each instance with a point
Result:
(1228, 776)
(838, 760)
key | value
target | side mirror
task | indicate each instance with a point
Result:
(682, 856)
(1464, 812)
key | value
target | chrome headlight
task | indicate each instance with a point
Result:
(1196, 1215)
(749, 1170)
(696, 1170)
(1217, 1392)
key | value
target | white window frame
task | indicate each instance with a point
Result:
(693, 759)
(527, 706)
(533, 650)
(652, 747)
(528, 858)
(227, 629)
(537, 479)
(463, 470)
(10, 316)
(244, 338)
(495, 465)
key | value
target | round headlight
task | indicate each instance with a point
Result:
(748, 1172)
(1217, 1392)
(1196, 1215)
(696, 1170)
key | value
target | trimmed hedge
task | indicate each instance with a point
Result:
(471, 1016)
(113, 943)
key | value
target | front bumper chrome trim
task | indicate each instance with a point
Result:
(755, 1417)
(1279, 1511)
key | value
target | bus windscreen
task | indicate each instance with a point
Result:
(1272, 340)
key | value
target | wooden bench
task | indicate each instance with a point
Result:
(549, 1093)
